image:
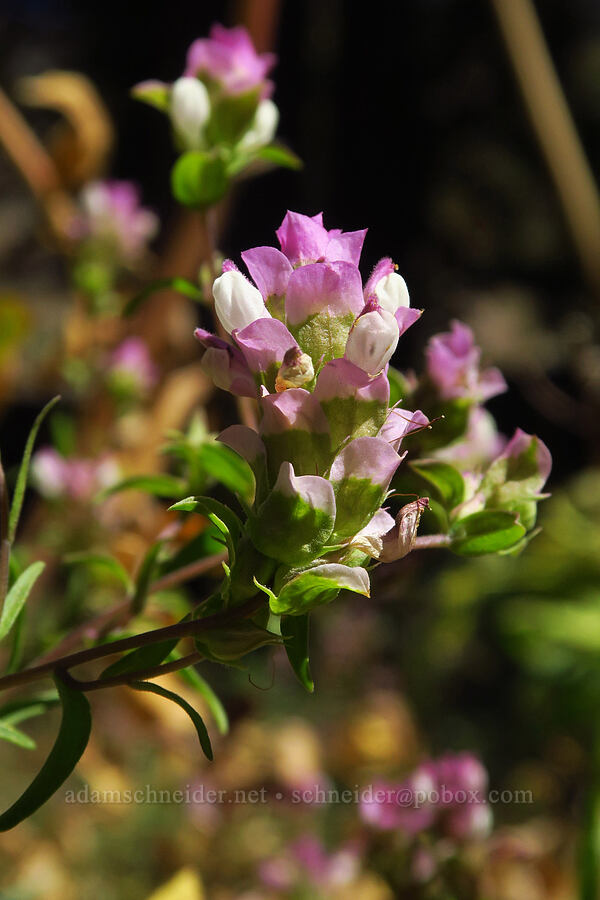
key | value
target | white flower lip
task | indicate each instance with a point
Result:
(392, 293)
(372, 341)
(237, 302)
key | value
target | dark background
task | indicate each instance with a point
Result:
(408, 120)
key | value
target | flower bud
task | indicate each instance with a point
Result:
(372, 339)
(296, 370)
(398, 542)
(263, 128)
(237, 302)
(190, 110)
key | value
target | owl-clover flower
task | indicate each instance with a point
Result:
(313, 346)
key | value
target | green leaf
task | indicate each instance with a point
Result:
(317, 586)
(21, 485)
(102, 563)
(157, 485)
(227, 467)
(447, 481)
(144, 578)
(451, 420)
(280, 156)
(16, 736)
(193, 677)
(198, 179)
(68, 749)
(232, 116)
(199, 725)
(179, 285)
(154, 93)
(485, 532)
(140, 659)
(295, 630)
(17, 597)
(26, 707)
(220, 515)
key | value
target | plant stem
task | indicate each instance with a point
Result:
(180, 630)
(153, 672)
(121, 613)
(432, 541)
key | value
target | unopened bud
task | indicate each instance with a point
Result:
(398, 542)
(190, 110)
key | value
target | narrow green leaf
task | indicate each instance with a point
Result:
(199, 725)
(145, 577)
(179, 285)
(486, 532)
(220, 515)
(226, 466)
(16, 736)
(17, 597)
(68, 749)
(295, 631)
(280, 156)
(138, 660)
(21, 485)
(102, 563)
(195, 679)
(157, 485)
(17, 643)
(26, 707)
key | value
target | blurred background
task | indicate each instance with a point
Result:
(410, 119)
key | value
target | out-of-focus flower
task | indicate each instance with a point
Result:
(453, 361)
(130, 367)
(448, 795)
(112, 215)
(58, 477)
(221, 105)
(228, 58)
(307, 862)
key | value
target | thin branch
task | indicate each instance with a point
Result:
(431, 541)
(554, 127)
(157, 635)
(154, 672)
(121, 613)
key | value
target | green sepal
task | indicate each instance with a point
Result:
(447, 482)
(235, 641)
(232, 116)
(316, 586)
(199, 179)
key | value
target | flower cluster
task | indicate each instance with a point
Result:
(72, 478)
(447, 794)
(111, 214)
(312, 346)
(111, 234)
(223, 96)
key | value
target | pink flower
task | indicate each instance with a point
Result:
(304, 239)
(132, 360)
(71, 478)
(453, 365)
(111, 212)
(228, 57)
(448, 794)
